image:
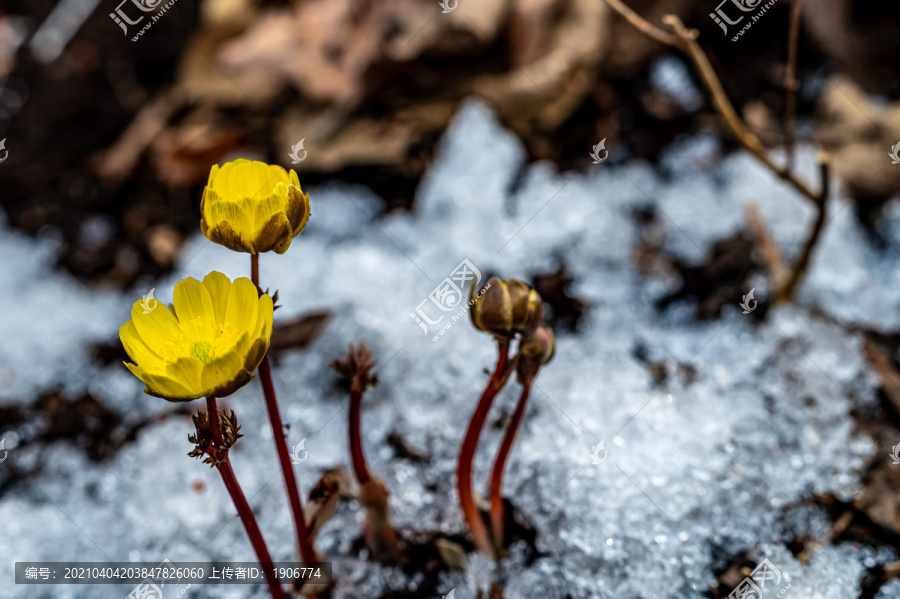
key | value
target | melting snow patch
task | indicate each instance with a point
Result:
(695, 471)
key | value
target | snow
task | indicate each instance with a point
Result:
(696, 472)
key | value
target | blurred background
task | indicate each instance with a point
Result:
(111, 114)
(110, 140)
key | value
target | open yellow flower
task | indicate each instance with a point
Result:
(250, 206)
(209, 347)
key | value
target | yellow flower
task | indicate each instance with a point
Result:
(254, 207)
(209, 347)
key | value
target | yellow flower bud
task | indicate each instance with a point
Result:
(254, 207)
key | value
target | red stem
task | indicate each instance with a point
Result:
(212, 413)
(307, 553)
(240, 502)
(357, 455)
(496, 484)
(467, 454)
(244, 511)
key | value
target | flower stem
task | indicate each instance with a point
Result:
(254, 269)
(467, 453)
(212, 412)
(357, 455)
(496, 484)
(307, 553)
(240, 502)
(381, 538)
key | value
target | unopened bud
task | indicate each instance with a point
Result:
(528, 308)
(492, 311)
(535, 351)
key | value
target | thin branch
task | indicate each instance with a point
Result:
(686, 40)
(800, 266)
(645, 26)
(791, 84)
(720, 100)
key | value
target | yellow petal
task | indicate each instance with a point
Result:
(297, 209)
(263, 329)
(223, 369)
(137, 350)
(186, 372)
(212, 174)
(241, 378)
(218, 286)
(248, 179)
(162, 386)
(274, 235)
(223, 234)
(155, 327)
(243, 305)
(232, 212)
(262, 335)
(192, 301)
(264, 208)
(255, 353)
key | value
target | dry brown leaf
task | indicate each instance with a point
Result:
(545, 92)
(530, 29)
(117, 162)
(300, 332)
(361, 141)
(182, 155)
(859, 133)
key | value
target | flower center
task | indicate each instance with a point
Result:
(202, 350)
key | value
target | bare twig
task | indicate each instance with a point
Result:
(786, 292)
(686, 40)
(746, 138)
(791, 84)
(642, 24)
